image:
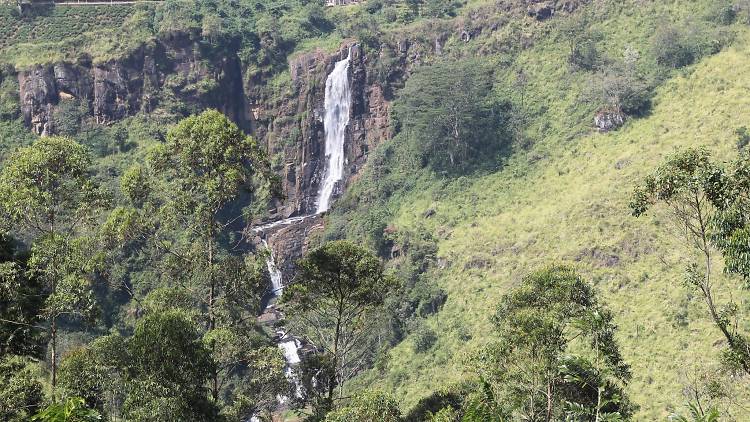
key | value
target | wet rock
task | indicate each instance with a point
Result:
(289, 243)
(37, 92)
(296, 128)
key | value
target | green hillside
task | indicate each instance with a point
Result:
(447, 222)
(572, 206)
(566, 200)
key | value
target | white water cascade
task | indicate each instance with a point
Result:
(277, 281)
(338, 101)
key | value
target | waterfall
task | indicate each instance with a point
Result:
(338, 100)
(277, 283)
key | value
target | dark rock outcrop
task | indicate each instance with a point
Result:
(545, 9)
(197, 76)
(289, 243)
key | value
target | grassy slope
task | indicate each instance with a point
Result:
(62, 32)
(571, 201)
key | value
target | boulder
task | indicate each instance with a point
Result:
(607, 120)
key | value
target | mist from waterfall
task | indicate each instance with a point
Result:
(338, 101)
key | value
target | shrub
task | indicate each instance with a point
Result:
(676, 47)
(424, 338)
(9, 107)
(672, 48)
(69, 115)
(743, 137)
(369, 406)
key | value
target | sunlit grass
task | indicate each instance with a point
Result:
(566, 199)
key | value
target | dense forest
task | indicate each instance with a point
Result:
(429, 210)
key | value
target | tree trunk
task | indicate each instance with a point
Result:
(53, 331)
(549, 401)
(211, 313)
(336, 336)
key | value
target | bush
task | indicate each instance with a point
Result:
(743, 137)
(675, 47)
(672, 48)
(69, 115)
(424, 338)
(370, 406)
(9, 106)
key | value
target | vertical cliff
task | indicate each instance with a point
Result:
(177, 66)
(292, 128)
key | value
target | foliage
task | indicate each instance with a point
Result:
(446, 113)
(584, 53)
(21, 395)
(424, 338)
(316, 377)
(708, 201)
(71, 410)
(69, 115)
(21, 300)
(676, 46)
(47, 192)
(743, 137)
(369, 406)
(697, 415)
(338, 292)
(9, 104)
(159, 373)
(530, 369)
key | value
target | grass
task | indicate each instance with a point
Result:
(566, 200)
(52, 33)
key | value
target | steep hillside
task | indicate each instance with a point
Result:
(573, 103)
(567, 200)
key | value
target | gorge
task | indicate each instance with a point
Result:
(337, 103)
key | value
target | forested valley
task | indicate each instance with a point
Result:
(429, 210)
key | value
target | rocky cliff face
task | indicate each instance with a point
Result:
(177, 66)
(293, 129)
(296, 133)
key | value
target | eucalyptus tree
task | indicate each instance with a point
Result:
(448, 114)
(532, 372)
(337, 294)
(711, 205)
(49, 196)
(188, 203)
(159, 373)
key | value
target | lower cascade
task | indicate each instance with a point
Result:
(276, 276)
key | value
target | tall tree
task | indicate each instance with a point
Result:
(48, 195)
(189, 202)
(335, 298)
(447, 110)
(159, 373)
(532, 371)
(710, 205)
